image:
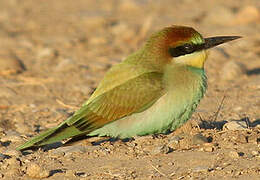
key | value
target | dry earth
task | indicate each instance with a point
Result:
(54, 53)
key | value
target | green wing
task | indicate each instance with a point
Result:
(125, 90)
(133, 96)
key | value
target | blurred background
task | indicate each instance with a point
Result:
(54, 53)
(53, 50)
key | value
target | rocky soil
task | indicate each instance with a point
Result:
(54, 53)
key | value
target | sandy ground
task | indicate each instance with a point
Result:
(54, 53)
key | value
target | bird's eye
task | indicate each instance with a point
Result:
(187, 48)
(182, 50)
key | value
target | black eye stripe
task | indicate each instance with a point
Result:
(185, 49)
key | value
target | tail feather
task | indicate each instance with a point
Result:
(52, 135)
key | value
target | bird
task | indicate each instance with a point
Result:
(154, 90)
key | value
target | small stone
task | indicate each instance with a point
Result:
(175, 139)
(238, 108)
(65, 64)
(68, 150)
(170, 163)
(81, 174)
(219, 168)
(235, 125)
(174, 142)
(255, 153)
(46, 52)
(208, 149)
(36, 171)
(200, 169)
(162, 150)
(199, 139)
(233, 154)
(232, 70)
(250, 156)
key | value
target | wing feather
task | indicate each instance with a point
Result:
(133, 96)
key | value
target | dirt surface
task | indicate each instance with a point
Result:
(54, 53)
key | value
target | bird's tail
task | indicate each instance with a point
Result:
(56, 134)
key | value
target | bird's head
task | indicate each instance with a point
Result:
(183, 45)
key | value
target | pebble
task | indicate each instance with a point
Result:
(235, 125)
(45, 52)
(233, 154)
(68, 150)
(175, 139)
(199, 139)
(174, 142)
(36, 171)
(219, 168)
(208, 149)
(65, 64)
(164, 149)
(170, 163)
(201, 169)
(231, 70)
(10, 65)
(81, 174)
(255, 153)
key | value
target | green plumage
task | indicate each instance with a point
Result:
(154, 90)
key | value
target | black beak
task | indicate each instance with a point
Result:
(214, 41)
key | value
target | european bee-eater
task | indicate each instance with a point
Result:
(154, 90)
